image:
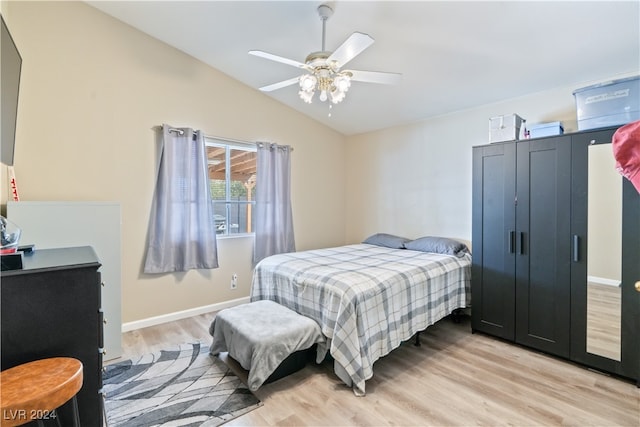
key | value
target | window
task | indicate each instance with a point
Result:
(232, 179)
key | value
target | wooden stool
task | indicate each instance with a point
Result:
(32, 391)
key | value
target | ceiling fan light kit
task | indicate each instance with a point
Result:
(323, 68)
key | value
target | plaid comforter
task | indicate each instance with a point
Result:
(367, 299)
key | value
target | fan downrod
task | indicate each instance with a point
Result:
(325, 12)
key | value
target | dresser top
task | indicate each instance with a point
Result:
(56, 259)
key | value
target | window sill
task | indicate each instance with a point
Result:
(235, 236)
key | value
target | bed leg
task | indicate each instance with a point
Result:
(417, 343)
(456, 315)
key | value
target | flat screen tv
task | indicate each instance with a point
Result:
(10, 67)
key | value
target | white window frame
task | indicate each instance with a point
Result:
(229, 145)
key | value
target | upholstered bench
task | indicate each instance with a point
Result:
(265, 338)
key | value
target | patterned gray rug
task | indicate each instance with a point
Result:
(181, 386)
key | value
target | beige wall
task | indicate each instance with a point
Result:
(92, 89)
(415, 180)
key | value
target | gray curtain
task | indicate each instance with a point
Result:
(273, 213)
(182, 232)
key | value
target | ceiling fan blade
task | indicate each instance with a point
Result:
(277, 58)
(279, 85)
(356, 43)
(375, 77)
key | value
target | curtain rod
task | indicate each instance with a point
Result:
(178, 131)
(235, 141)
(262, 144)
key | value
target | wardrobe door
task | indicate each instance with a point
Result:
(630, 282)
(493, 239)
(543, 218)
(606, 259)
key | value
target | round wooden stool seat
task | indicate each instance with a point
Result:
(33, 390)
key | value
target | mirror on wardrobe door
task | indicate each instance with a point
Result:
(604, 254)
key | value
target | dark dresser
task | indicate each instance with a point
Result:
(51, 307)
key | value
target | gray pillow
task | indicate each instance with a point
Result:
(386, 240)
(438, 245)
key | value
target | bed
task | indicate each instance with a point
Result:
(367, 298)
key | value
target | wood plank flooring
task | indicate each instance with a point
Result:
(455, 378)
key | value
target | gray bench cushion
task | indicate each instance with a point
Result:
(260, 335)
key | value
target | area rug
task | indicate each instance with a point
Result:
(180, 386)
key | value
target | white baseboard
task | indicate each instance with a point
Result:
(170, 317)
(603, 281)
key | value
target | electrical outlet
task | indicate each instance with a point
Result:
(234, 281)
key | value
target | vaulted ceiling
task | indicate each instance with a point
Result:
(453, 55)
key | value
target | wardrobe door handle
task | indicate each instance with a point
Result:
(512, 238)
(521, 243)
(576, 248)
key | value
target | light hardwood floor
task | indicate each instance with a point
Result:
(455, 378)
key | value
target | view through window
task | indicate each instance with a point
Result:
(232, 178)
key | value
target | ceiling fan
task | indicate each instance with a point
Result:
(324, 68)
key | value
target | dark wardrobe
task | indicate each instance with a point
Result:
(556, 249)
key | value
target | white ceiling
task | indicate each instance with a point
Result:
(453, 55)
